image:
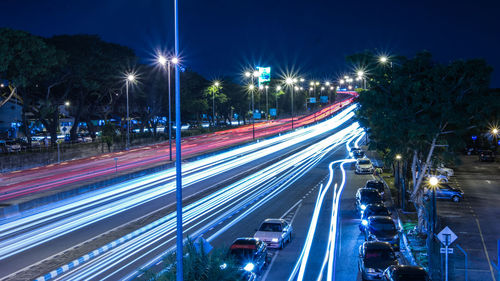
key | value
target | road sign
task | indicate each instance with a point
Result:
(446, 236)
(443, 250)
(272, 111)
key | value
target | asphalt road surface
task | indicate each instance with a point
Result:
(475, 219)
(236, 191)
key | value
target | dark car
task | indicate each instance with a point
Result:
(365, 196)
(486, 156)
(374, 258)
(405, 273)
(372, 210)
(378, 185)
(382, 228)
(446, 192)
(357, 153)
(250, 254)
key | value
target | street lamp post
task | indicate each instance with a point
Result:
(178, 170)
(216, 85)
(398, 159)
(130, 79)
(278, 89)
(252, 87)
(494, 132)
(289, 82)
(433, 182)
(267, 103)
(166, 62)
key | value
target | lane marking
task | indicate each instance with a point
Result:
(485, 250)
(270, 265)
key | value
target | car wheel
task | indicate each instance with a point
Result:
(455, 198)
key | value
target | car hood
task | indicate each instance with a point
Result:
(267, 235)
(365, 166)
(378, 264)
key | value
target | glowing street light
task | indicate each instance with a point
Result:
(251, 87)
(175, 60)
(247, 74)
(317, 83)
(130, 79)
(256, 73)
(278, 88)
(312, 83)
(302, 79)
(360, 73)
(383, 59)
(67, 103)
(327, 83)
(216, 89)
(341, 81)
(290, 81)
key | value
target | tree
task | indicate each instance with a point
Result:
(422, 109)
(95, 74)
(199, 266)
(24, 59)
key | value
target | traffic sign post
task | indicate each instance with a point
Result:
(446, 236)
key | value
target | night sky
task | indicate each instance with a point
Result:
(223, 37)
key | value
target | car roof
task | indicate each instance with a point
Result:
(367, 189)
(380, 218)
(377, 245)
(245, 241)
(364, 158)
(411, 269)
(375, 206)
(274, 221)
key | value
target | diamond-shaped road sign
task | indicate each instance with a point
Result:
(446, 236)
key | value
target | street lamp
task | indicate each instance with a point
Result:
(278, 89)
(267, 103)
(251, 87)
(215, 89)
(494, 132)
(130, 79)
(289, 81)
(163, 61)
(66, 103)
(433, 183)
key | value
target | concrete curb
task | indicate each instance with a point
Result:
(62, 269)
(409, 256)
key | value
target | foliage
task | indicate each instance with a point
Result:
(198, 266)
(423, 109)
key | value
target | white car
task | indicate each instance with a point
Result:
(445, 171)
(364, 166)
(274, 232)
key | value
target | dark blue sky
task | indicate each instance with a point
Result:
(222, 37)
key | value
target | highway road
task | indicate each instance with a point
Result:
(212, 196)
(17, 185)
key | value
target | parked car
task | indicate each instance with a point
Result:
(357, 152)
(372, 210)
(374, 258)
(364, 166)
(486, 156)
(405, 273)
(445, 192)
(365, 196)
(9, 146)
(250, 254)
(378, 185)
(441, 169)
(382, 228)
(275, 233)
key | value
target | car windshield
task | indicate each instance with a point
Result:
(379, 254)
(386, 227)
(370, 196)
(364, 162)
(412, 276)
(272, 227)
(375, 212)
(242, 254)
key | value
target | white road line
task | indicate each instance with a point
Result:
(485, 250)
(294, 205)
(270, 265)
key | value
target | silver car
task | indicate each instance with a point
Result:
(274, 232)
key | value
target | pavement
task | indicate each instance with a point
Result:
(474, 220)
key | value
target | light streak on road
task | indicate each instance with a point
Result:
(47, 224)
(299, 269)
(242, 196)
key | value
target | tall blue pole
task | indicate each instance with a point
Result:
(178, 171)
